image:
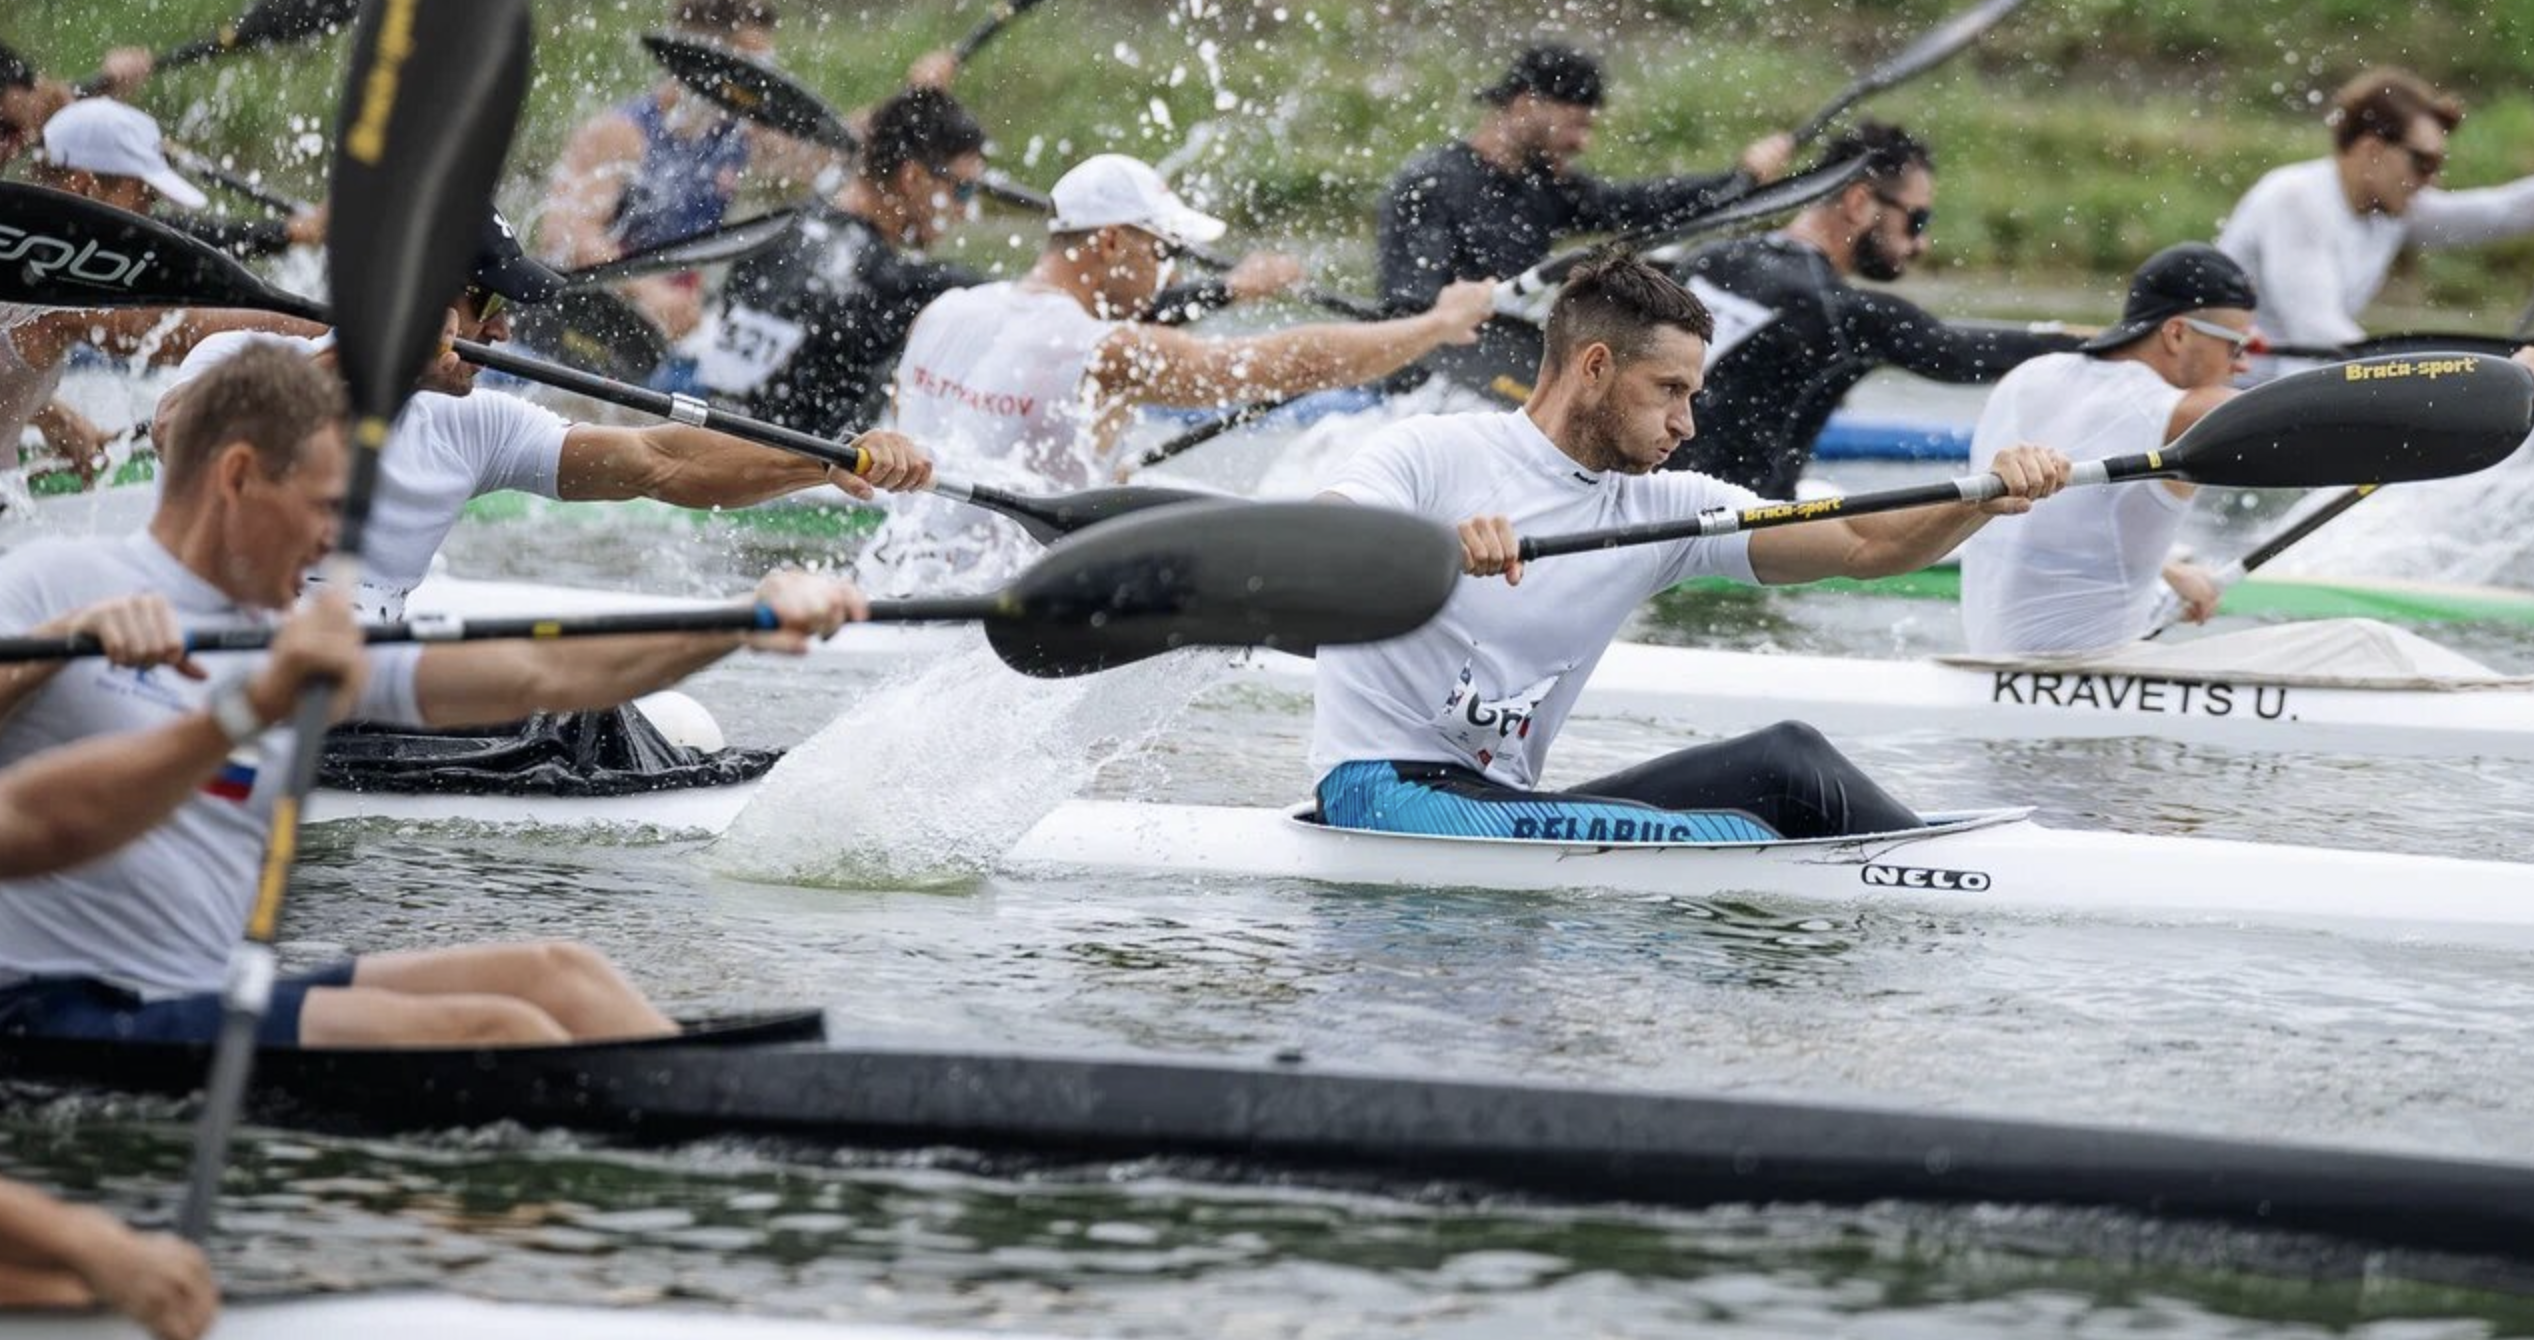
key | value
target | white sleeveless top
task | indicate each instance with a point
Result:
(2081, 571)
(24, 389)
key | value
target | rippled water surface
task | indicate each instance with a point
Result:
(2203, 1027)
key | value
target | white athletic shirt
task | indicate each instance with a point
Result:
(995, 382)
(2317, 263)
(444, 451)
(1489, 682)
(160, 915)
(2081, 571)
(24, 388)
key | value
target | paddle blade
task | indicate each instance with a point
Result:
(595, 330)
(64, 250)
(2375, 421)
(278, 21)
(747, 88)
(1293, 576)
(428, 109)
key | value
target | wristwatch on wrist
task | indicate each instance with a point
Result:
(234, 712)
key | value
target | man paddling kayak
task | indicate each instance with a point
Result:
(1492, 205)
(1447, 730)
(810, 328)
(1794, 336)
(254, 468)
(2319, 237)
(1044, 371)
(454, 442)
(2085, 573)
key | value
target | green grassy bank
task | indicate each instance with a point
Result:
(2079, 137)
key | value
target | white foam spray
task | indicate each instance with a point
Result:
(927, 782)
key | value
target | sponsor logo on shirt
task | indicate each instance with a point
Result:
(1004, 403)
(1481, 727)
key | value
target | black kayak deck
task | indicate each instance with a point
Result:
(763, 1078)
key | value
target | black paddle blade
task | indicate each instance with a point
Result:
(749, 88)
(428, 109)
(595, 330)
(1293, 576)
(278, 21)
(64, 250)
(1049, 519)
(713, 246)
(2375, 421)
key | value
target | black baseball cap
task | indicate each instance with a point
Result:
(14, 70)
(1557, 73)
(2177, 281)
(502, 266)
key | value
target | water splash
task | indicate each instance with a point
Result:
(928, 782)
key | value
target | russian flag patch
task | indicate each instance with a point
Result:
(235, 781)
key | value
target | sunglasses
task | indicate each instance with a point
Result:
(1920, 219)
(2241, 340)
(487, 303)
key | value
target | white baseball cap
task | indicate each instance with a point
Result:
(1113, 190)
(108, 137)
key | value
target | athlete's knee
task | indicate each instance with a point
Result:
(566, 967)
(485, 1021)
(1796, 739)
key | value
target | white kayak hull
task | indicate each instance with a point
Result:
(1995, 860)
(1724, 693)
(436, 1316)
(1988, 861)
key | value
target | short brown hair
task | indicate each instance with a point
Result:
(270, 396)
(2383, 102)
(721, 16)
(1618, 300)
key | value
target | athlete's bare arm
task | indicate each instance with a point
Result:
(587, 188)
(1888, 543)
(483, 683)
(71, 805)
(57, 1255)
(695, 467)
(1158, 365)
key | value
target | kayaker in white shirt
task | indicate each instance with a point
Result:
(133, 945)
(1447, 730)
(2319, 237)
(2088, 572)
(1043, 372)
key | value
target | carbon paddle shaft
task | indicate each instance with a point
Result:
(1726, 520)
(993, 27)
(206, 641)
(1045, 519)
(431, 98)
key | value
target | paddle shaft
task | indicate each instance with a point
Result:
(429, 629)
(1767, 516)
(411, 182)
(188, 161)
(262, 25)
(993, 27)
(687, 409)
(2169, 605)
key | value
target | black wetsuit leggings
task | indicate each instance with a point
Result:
(1786, 779)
